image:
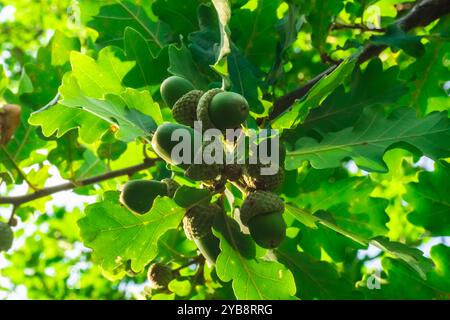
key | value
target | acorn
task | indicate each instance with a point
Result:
(262, 213)
(163, 145)
(6, 237)
(222, 110)
(197, 224)
(173, 88)
(9, 121)
(254, 178)
(203, 171)
(159, 276)
(139, 195)
(233, 172)
(185, 109)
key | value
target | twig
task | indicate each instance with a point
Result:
(19, 171)
(421, 14)
(362, 27)
(19, 200)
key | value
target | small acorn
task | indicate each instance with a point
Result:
(262, 213)
(185, 109)
(159, 276)
(139, 195)
(197, 224)
(173, 88)
(163, 145)
(222, 110)
(6, 237)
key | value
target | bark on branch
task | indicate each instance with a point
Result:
(19, 200)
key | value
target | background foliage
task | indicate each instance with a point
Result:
(367, 197)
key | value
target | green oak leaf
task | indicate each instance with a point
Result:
(314, 279)
(224, 14)
(397, 39)
(440, 276)
(102, 76)
(112, 20)
(298, 112)
(430, 199)
(428, 75)
(411, 256)
(372, 135)
(181, 16)
(254, 32)
(62, 45)
(150, 68)
(59, 120)
(320, 14)
(182, 64)
(372, 87)
(253, 278)
(129, 111)
(115, 233)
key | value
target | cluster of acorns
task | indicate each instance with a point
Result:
(262, 209)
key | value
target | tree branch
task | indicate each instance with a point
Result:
(421, 14)
(19, 200)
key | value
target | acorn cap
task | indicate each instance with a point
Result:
(203, 171)
(198, 220)
(233, 171)
(255, 180)
(6, 237)
(159, 275)
(260, 203)
(172, 186)
(185, 109)
(203, 108)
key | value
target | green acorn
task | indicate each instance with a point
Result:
(172, 186)
(222, 110)
(6, 237)
(163, 145)
(159, 276)
(185, 109)
(173, 88)
(256, 180)
(139, 195)
(197, 224)
(262, 213)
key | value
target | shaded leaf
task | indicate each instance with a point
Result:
(118, 235)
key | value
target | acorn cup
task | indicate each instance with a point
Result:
(254, 178)
(184, 110)
(159, 276)
(197, 224)
(262, 213)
